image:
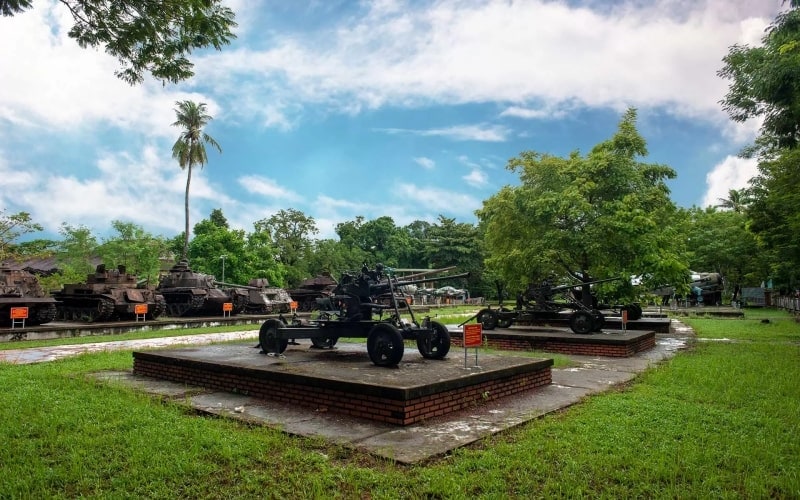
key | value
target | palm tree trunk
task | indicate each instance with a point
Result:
(186, 208)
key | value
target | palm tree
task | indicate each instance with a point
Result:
(190, 149)
(737, 200)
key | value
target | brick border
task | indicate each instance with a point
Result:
(399, 407)
(585, 345)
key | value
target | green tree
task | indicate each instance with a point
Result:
(765, 81)
(451, 243)
(145, 36)
(12, 227)
(77, 253)
(291, 231)
(136, 249)
(190, 148)
(737, 200)
(605, 214)
(216, 245)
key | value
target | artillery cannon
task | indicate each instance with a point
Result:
(357, 309)
(543, 302)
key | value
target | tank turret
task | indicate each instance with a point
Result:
(108, 295)
(20, 288)
(309, 290)
(188, 293)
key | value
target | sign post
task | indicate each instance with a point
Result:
(624, 319)
(141, 312)
(227, 307)
(473, 337)
(18, 316)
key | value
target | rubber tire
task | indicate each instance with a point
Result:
(488, 318)
(324, 342)
(437, 346)
(581, 322)
(599, 320)
(385, 345)
(504, 323)
(268, 337)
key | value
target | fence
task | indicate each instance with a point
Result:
(791, 304)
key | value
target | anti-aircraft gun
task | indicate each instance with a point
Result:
(356, 309)
(543, 301)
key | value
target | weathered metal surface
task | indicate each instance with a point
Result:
(19, 288)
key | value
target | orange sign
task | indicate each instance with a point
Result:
(19, 313)
(293, 304)
(140, 309)
(473, 335)
(227, 306)
(624, 316)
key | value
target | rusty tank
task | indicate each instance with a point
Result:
(108, 295)
(309, 290)
(264, 298)
(20, 288)
(188, 293)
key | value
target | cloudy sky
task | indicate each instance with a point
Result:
(341, 108)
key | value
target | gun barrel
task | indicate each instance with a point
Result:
(428, 280)
(234, 285)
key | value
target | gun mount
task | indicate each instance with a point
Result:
(357, 308)
(544, 301)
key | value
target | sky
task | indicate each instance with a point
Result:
(343, 108)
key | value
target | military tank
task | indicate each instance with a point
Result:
(19, 288)
(188, 293)
(262, 298)
(108, 294)
(309, 290)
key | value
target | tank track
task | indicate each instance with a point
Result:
(190, 304)
(159, 308)
(91, 311)
(42, 314)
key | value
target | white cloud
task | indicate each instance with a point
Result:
(267, 187)
(439, 200)
(731, 173)
(476, 178)
(425, 162)
(482, 132)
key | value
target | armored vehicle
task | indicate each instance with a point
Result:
(20, 288)
(353, 310)
(108, 295)
(188, 293)
(309, 290)
(267, 299)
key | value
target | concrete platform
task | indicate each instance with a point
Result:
(614, 343)
(647, 323)
(344, 380)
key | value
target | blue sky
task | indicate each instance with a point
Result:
(409, 109)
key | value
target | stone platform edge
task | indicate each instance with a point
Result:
(390, 405)
(584, 345)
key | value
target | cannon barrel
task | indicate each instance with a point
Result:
(561, 288)
(394, 283)
(234, 285)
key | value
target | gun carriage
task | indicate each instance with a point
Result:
(542, 302)
(364, 305)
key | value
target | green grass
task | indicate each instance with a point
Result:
(717, 421)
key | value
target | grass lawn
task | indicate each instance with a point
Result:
(721, 420)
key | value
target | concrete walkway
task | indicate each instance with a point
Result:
(413, 444)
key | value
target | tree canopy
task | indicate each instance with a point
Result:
(602, 215)
(145, 36)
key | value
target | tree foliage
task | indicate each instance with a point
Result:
(136, 249)
(765, 81)
(12, 227)
(290, 231)
(145, 36)
(602, 215)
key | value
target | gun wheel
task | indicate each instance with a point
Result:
(437, 344)
(385, 345)
(488, 318)
(324, 342)
(581, 322)
(504, 322)
(269, 339)
(599, 320)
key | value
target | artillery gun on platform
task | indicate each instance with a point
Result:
(20, 288)
(542, 302)
(188, 293)
(107, 295)
(356, 309)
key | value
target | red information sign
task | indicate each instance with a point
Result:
(473, 335)
(19, 313)
(293, 305)
(227, 306)
(140, 309)
(624, 316)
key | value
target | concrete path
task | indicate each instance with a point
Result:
(413, 444)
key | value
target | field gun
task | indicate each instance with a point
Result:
(544, 301)
(364, 305)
